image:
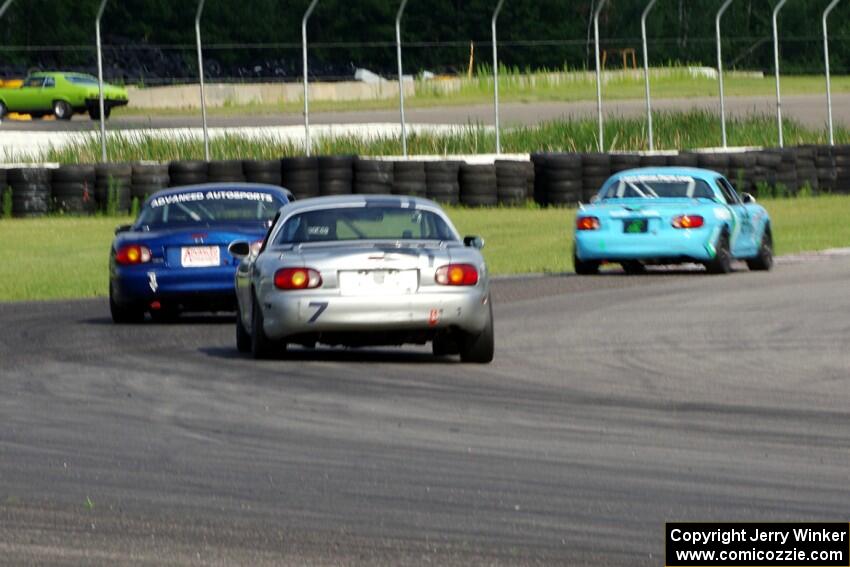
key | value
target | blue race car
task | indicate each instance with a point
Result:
(174, 258)
(671, 215)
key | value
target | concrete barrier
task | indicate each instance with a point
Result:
(224, 94)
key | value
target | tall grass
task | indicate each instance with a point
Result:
(688, 130)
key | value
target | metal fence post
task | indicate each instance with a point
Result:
(400, 76)
(496, 74)
(201, 77)
(776, 67)
(598, 73)
(310, 8)
(5, 7)
(100, 80)
(643, 17)
(720, 70)
(826, 12)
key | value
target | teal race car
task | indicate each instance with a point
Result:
(60, 94)
(671, 215)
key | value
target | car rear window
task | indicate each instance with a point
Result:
(364, 223)
(209, 207)
(658, 187)
(77, 80)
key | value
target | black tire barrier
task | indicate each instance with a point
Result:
(30, 191)
(741, 170)
(595, 171)
(267, 171)
(558, 178)
(225, 171)
(409, 178)
(841, 155)
(512, 181)
(187, 172)
(336, 174)
(654, 160)
(805, 162)
(684, 159)
(301, 176)
(478, 185)
(112, 183)
(825, 163)
(442, 181)
(373, 177)
(72, 189)
(4, 187)
(147, 179)
(622, 162)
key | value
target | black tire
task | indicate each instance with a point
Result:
(480, 348)
(124, 314)
(261, 345)
(585, 268)
(243, 337)
(444, 345)
(62, 110)
(225, 171)
(763, 262)
(73, 172)
(722, 262)
(633, 268)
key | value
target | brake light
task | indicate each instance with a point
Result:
(688, 221)
(457, 274)
(297, 278)
(587, 223)
(131, 254)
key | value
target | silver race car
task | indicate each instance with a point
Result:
(364, 270)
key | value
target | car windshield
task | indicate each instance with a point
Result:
(657, 187)
(33, 82)
(364, 223)
(81, 80)
(209, 207)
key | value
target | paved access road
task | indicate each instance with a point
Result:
(615, 403)
(808, 109)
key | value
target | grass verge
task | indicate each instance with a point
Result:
(673, 130)
(64, 258)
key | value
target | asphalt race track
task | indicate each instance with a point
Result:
(615, 403)
(810, 110)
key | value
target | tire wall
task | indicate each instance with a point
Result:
(560, 179)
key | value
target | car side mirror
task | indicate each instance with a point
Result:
(239, 249)
(594, 199)
(473, 242)
(123, 228)
(747, 199)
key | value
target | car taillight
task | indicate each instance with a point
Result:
(587, 223)
(457, 274)
(688, 221)
(297, 278)
(131, 254)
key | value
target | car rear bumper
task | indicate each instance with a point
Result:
(94, 103)
(294, 313)
(681, 245)
(198, 289)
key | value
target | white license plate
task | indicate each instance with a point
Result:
(200, 256)
(379, 282)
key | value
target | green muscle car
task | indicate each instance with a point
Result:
(60, 94)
